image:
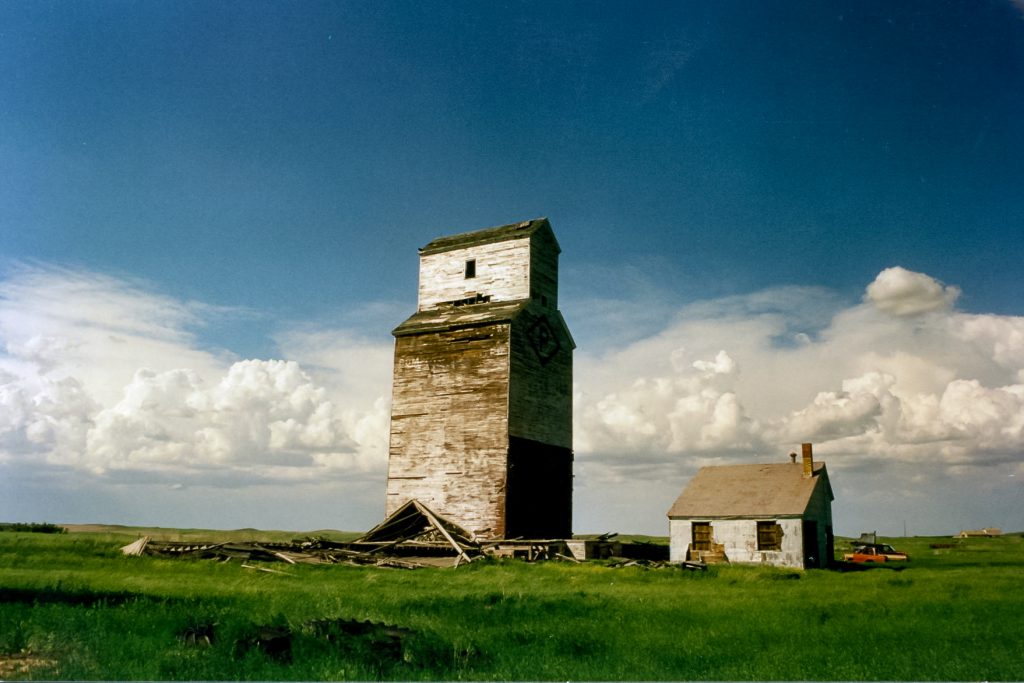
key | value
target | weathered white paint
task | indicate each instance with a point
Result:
(506, 270)
(449, 425)
(502, 273)
(723, 498)
(739, 536)
(481, 425)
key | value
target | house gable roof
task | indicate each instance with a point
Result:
(778, 490)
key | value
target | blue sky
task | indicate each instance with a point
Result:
(212, 209)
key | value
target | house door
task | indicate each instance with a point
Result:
(812, 553)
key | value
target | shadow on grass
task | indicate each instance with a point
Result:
(843, 567)
(74, 598)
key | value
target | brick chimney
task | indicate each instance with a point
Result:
(808, 460)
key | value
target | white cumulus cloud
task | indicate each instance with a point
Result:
(691, 409)
(900, 394)
(103, 378)
(741, 378)
(903, 292)
(100, 375)
(262, 417)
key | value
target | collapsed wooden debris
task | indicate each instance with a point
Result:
(414, 530)
(137, 547)
(307, 552)
(411, 537)
(268, 570)
(529, 550)
(657, 564)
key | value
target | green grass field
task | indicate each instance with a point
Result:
(71, 607)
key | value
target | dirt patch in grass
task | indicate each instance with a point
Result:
(24, 664)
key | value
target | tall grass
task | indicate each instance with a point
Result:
(85, 612)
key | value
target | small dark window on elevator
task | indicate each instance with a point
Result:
(470, 268)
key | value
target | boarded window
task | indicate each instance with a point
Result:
(701, 535)
(470, 268)
(769, 536)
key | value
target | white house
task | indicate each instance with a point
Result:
(778, 514)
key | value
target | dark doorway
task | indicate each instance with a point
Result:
(538, 496)
(812, 551)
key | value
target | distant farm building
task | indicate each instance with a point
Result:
(481, 422)
(980, 533)
(774, 514)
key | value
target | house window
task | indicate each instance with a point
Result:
(470, 268)
(701, 535)
(769, 536)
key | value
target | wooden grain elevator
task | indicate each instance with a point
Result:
(481, 417)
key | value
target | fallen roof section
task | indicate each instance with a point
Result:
(414, 522)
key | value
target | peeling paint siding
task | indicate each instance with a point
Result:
(679, 535)
(739, 536)
(449, 433)
(457, 397)
(502, 272)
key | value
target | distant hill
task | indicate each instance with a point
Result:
(212, 535)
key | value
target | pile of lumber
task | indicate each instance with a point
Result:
(412, 537)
